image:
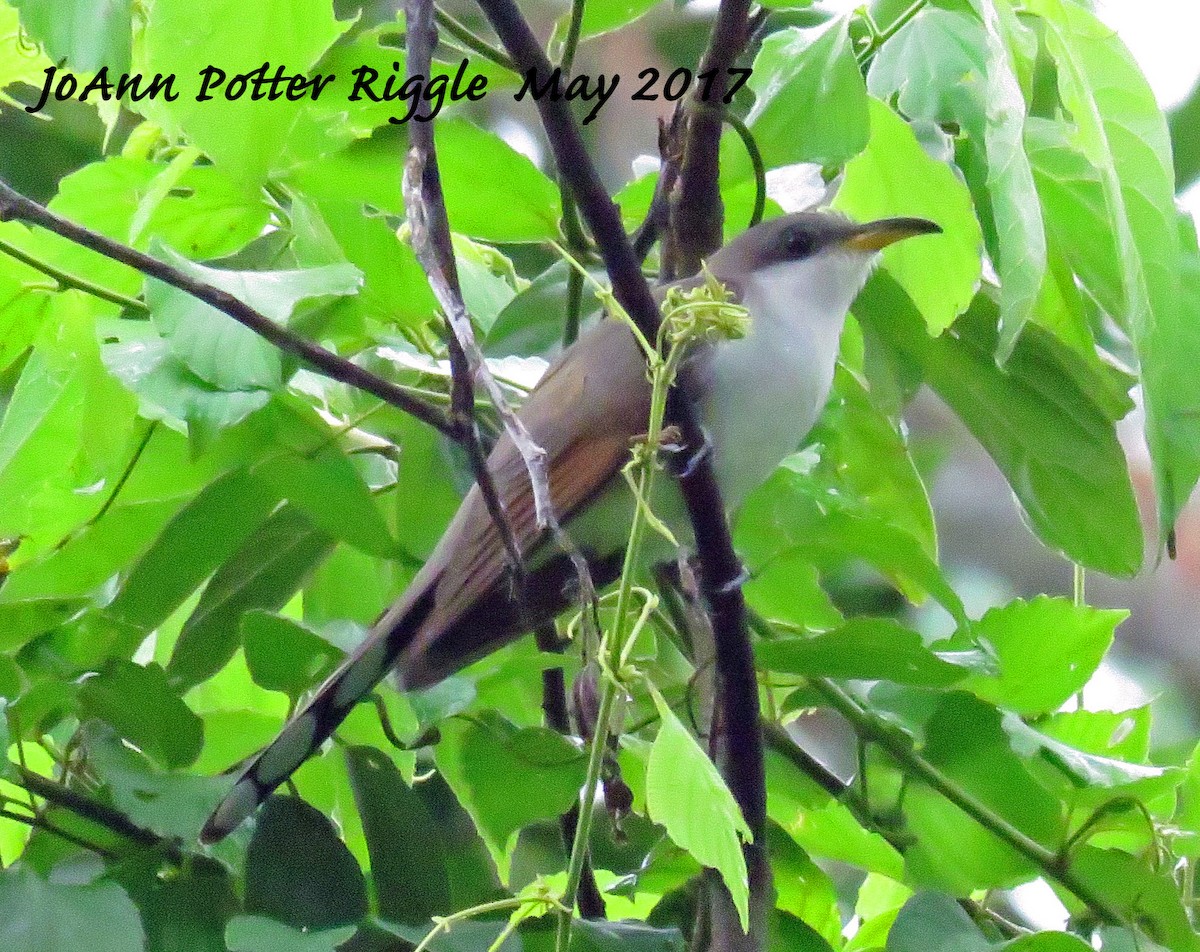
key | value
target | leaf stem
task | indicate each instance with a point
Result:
(472, 42)
(444, 923)
(898, 746)
(65, 279)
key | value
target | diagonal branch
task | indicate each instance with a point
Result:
(14, 206)
(426, 208)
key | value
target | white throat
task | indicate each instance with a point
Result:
(769, 388)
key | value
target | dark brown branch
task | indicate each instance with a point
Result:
(14, 206)
(697, 215)
(721, 572)
(697, 212)
(658, 215)
(99, 813)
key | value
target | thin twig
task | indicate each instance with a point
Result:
(149, 428)
(14, 206)
(49, 826)
(93, 810)
(430, 227)
(657, 218)
(64, 279)
(697, 211)
(557, 717)
(472, 42)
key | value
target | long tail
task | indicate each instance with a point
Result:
(301, 738)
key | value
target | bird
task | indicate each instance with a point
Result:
(756, 397)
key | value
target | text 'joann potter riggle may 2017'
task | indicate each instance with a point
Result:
(268, 84)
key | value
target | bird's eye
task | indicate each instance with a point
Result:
(799, 242)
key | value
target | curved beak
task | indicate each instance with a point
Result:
(877, 235)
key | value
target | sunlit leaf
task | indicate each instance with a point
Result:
(686, 795)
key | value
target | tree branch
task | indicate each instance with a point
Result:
(697, 212)
(425, 206)
(14, 206)
(721, 572)
(696, 220)
(99, 813)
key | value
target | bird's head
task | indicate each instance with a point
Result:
(817, 261)
(815, 235)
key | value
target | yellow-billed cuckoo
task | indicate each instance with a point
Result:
(757, 397)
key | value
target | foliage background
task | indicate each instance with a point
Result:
(198, 542)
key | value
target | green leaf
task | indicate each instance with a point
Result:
(368, 172)
(1121, 734)
(788, 589)
(804, 890)
(208, 215)
(1123, 134)
(299, 872)
(543, 773)
(687, 796)
(492, 191)
(1096, 778)
(604, 16)
(283, 655)
(947, 66)
(18, 64)
(871, 460)
(932, 923)
(408, 862)
(794, 514)
(532, 322)
(49, 917)
(65, 432)
(169, 391)
(1047, 649)
(170, 804)
(1046, 419)
(951, 851)
(1020, 254)
(326, 486)
(264, 573)
(862, 649)
(811, 73)
(199, 538)
(184, 911)
(256, 934)
(87, 36)
(601, 936)
(394, 288)
(246, 138)
(894, 176)
(1150, 899)
(822, 825)
(140, 705)
(214, 346)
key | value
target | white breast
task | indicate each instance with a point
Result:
(769, 388)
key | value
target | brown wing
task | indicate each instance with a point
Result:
(584, 414)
